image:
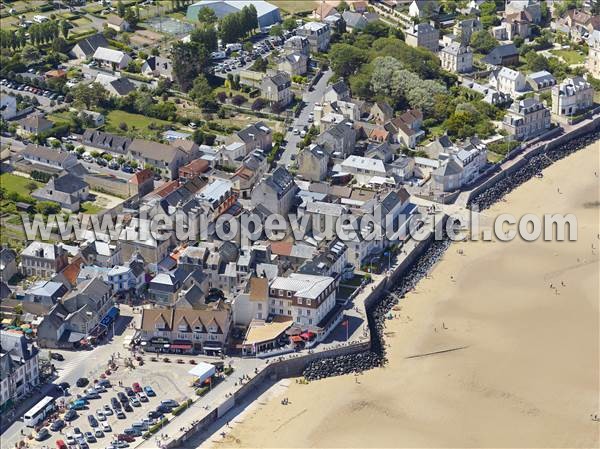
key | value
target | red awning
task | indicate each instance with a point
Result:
(296, 339)
(307, 335)
(181, 346)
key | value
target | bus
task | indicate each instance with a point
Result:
(39, 412)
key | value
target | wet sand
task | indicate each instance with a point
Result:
(482, 354)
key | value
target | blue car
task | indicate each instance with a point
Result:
(149, 391)
(77, 405)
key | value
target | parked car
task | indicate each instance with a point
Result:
(107, 410)
(57, 356)
(98, 433)
(171, 403)
(89, 437)
(149, 391)
(127, 408)
(57, 425)
(42, 434)
(122, 397)
(136, 387)
(93, 421)
(106, 427)
(77, 405)
(125, 437)
(70, 415)
(129, 391)
(142, 397)
(135, 402)
(121, 415)
(100, 415)
(60, 444)
(82, 382)
(115, 403)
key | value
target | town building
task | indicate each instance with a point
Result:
(158, 67)
(339, 140)
(541, 80)
(318, 35)
(46, 293)
(297, 44)
(406, 128)
(166, 158)
(423, 35)
(43, 259)
(193, 170)
(277, 89)
(354, 21)
(276, 192)
(117, 86)
(592, 62)
(526, 119)
(83, 313)
(34, 124)
(8, 264)
(267, 13)
(572, 97)
(363, 168)
(312, 163)
(460, 165)
(464, 29)
(307, 299)
(86, 48)
(19, 364)
(94, 140)
(67, 190)
(112, 59)
(423, 8)
(503, 55)
(44, 156)
(117, 23)
(294, 63)
(509, 81)
(184, 330)
(457, 58)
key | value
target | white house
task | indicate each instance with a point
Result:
(509, 81)
(113, 59)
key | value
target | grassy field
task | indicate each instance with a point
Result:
(569, 56)
(14, 183)
(295, 6)
(138, 125)
(90, 208)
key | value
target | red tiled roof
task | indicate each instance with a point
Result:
(141, 176)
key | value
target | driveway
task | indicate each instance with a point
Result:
(309, 98)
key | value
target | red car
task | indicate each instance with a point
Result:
(136, 387)
(60, 444)
(124, 437)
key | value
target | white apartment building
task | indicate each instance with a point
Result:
(572, 96)
(457, 58)
(19, 363)
(306, 298)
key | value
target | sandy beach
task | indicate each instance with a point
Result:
(523, 365)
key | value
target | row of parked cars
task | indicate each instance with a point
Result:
(125, 401)
(32, 89)
(245, 57)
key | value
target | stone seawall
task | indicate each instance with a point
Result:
(532, 164)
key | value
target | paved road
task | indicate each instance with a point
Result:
(44, 101)
(76, 364)
(310, 98)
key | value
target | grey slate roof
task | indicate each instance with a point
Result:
(90, 44)
(69, 184)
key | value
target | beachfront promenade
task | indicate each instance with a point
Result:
(254, 371)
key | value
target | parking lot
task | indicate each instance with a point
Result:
(244, 59)
(169, 381)
(43, 96)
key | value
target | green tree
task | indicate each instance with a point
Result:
(206, 35)
(90, 95)
(47, 208)
(346, 59)
(289, 24)
(202, 93)
(31, 186)
(207, 16)
(64, 27)
(131, 17)
(189, 60)
(120, 9)
(276, 30)
(482, 41)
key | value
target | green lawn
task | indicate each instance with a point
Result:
(91, 208)
(569, 56)
(14, 183)
(137, 124)
(295, 6)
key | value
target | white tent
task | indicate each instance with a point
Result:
(202, 371)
